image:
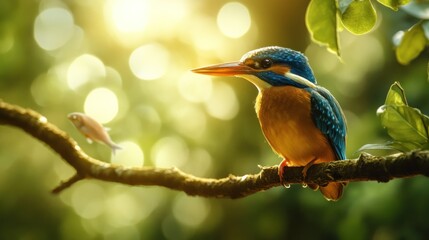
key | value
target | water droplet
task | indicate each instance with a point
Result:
(286, 185)
(304, 185)
(43, 119)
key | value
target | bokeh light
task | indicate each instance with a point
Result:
(190, 212)
(7, 39)
(170, 152)
(87, 200)
(131, 155)
(234, 20)
(101, 104)
(122, 210)
(149, 119)
(44, 87)
(84, 69)
(53, 27)
(204, 35)
(150, 61)
(175, 14)
(127, 16)
(222, 103)
(200, 162)
(195, 88)
(188, 120)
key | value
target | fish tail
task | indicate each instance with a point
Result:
(332, 191)
(114, 147)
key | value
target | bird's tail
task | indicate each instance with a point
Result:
(332, 191)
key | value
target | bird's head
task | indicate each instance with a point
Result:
(266, 67)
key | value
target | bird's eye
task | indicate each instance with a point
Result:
(266, 63)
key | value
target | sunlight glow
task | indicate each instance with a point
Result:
(131, 155)
(195, 88)
(204, 35)
(7, 39)
(44, 87)
(150, 61)
(234, 20)
(169, 16)
(201, 162)
(149, 119)
(170, 152)
(87, 200)
(84, 69)
(190, 212)
(223, 103)
(128, 214)
(53, 28)
(127, 16)
(188, 120)
(101, 104)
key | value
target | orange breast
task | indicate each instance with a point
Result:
(284, 115)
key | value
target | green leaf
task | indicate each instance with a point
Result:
(404, 124)
(412, 44)
(403, 146)
(407, 126)
(321, 21)
(396, 146)
(375, 146)
(359, 17)
(393, 4)
(396, 95)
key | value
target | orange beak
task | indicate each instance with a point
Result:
(225, 69)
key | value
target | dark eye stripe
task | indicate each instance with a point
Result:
(261, 64)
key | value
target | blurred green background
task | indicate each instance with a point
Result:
(126, 63)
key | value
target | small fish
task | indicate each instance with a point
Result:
(92, 130)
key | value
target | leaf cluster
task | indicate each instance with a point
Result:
(326, 18)
(407, 126)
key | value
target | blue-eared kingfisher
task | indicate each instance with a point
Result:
(302, 121)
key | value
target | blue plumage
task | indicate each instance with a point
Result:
(297, 62)
(328, 117)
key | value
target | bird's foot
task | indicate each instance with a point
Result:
(282, 166)
(306, 167)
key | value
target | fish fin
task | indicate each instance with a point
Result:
(89, 140)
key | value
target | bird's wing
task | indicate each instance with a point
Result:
(329, 118)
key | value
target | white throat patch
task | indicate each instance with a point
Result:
(259, 83)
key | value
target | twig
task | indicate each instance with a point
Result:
(68, 183)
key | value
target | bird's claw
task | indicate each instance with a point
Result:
(306, 167)
(282, 165)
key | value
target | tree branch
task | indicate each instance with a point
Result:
(364, 168)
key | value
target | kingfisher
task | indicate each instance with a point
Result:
(302, 121)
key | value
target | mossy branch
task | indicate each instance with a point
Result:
(364, 168)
